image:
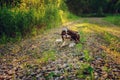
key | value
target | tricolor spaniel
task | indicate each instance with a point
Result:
(71, 35)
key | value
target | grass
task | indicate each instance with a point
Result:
(87, 56)
(71, 16)
(15, 24)
(108, 36)
(50, 76)
(115, 19)
(106, 69)
(46, 56)
(85, 71)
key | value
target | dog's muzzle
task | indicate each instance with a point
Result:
(66, 36)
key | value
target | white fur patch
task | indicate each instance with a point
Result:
(68, 36)
(65, 29)
(72, 44)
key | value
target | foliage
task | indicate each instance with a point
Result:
(17, 22)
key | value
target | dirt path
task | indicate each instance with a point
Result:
(39, 58)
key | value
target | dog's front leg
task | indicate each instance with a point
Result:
(63, 44)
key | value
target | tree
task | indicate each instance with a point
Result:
(93, 6)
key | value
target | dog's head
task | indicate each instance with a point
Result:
(65, 34)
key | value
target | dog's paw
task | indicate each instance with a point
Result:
(72, 44)
(58, 40)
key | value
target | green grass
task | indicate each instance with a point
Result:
(115, 19)
(46, 56)
(38, 60)
(71, 16)
(87, 56)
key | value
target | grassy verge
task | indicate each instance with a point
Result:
(39, 59)
(109, 37)
(115, 19)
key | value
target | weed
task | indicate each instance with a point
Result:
(34, 78)
(50, 76)
(46, 56)
(103, 55)
(87, 56)
(82, 37)
(85, 72)
(104, 68)
(79, 46)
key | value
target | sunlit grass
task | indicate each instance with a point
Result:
(63, 16)
(115, 55)
(87, 56)
(109, 35)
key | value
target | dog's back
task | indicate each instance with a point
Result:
(74, 35)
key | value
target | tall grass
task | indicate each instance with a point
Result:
(15, 24)
(52, 17)
(27, 19)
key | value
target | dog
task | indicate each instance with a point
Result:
(71, 35)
